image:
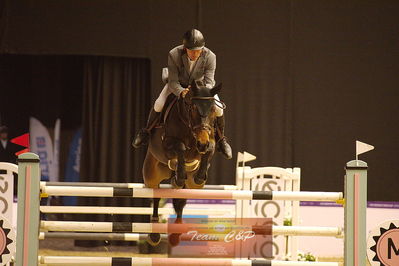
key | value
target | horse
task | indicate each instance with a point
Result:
(182, 148)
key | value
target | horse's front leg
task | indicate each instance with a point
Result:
(180, 177)
(201, 175)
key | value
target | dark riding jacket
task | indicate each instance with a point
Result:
(179, 76)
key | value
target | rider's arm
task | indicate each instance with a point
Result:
(173, 78)
(210, 67)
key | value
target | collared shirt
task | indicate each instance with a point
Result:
(191, 63)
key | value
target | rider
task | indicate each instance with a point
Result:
(187, 62)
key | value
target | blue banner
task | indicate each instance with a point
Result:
(72, 171)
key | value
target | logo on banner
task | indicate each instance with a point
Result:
(220, 237)
(7, 241)
(270, 209)
(383, 244)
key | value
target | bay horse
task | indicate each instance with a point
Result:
(181, 149)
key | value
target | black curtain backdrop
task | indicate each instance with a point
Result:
(115, 91)
(302, 79)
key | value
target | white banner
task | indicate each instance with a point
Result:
(7, 190)
(42, 145)
(271, 209)
(55, 166)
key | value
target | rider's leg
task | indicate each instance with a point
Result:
(143, 135)
(222, 145)
(160, 102)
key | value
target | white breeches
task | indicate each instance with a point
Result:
(160, 102)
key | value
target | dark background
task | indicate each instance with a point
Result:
(302, 79)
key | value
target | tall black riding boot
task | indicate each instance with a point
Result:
(222, 146)
(143, 135)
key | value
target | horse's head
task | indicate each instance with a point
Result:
(203, 114)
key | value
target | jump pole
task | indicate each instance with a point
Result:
(108, 236)
(141, 261)
(189, 193)
(127, 185)
(125, 227)
(129, 210)
(276, 230)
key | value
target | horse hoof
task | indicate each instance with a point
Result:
(174, 239)
(200, 182)
(200, 179)
(154, 239)
(176, 184)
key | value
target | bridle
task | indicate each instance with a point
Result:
(188, 120)
(222, 104)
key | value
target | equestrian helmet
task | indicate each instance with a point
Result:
(193, 40)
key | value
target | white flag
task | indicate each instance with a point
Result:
(362, 147)
(245, 157)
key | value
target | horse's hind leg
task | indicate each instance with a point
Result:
(154, 173)
(154, 238)
(178, 205)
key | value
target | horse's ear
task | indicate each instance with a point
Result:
(215, 90)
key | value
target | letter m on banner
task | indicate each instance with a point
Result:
(392, 247)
